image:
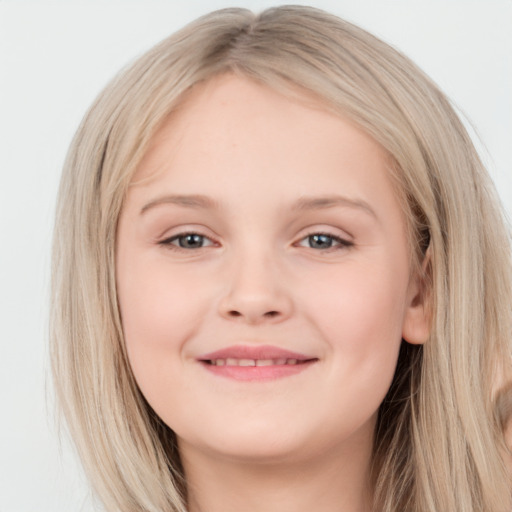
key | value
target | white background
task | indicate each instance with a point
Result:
(54, 58)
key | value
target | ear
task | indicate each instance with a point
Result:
(417, 319)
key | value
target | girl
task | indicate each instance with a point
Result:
(282, 280)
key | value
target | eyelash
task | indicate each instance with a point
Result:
(341, 242)
(168, 242)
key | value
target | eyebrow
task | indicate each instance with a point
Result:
(319, 203)
(195, 201)
(304, 203)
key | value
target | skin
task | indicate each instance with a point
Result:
(302, 442)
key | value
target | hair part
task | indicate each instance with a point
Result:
(438, 441)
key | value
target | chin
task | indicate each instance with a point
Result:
(255, 444)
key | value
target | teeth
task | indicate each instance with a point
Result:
(246, 362)
(252, 362)
(264, 362)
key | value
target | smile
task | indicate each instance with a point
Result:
(255, 362)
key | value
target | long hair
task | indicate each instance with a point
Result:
(438, 443)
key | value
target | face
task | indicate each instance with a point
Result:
(263, 276)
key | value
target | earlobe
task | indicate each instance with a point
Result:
(417, 319)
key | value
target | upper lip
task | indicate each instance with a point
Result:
(254, 352)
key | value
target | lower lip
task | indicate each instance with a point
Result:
(258, 373)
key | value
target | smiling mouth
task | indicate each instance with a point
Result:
(256, 370)
(256, 362)
(252, 362)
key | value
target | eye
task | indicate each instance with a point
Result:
(187, 241)
(324, 241)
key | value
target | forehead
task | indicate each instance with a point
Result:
(229, 114)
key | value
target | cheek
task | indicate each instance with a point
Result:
(360, 305)
(159, 314)
(359, 312)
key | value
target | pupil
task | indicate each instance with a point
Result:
(191, 241)
(320, 241)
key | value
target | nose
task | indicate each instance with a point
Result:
(256, 292)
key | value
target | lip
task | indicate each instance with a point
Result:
(254, 352)
(256, 373)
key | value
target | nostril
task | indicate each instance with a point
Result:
(269, 314)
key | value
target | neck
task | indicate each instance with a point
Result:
(332, 482)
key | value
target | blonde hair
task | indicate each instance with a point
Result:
(438, 442)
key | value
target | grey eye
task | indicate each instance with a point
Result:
(319, 241)
(188, 241)
(324, 241)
